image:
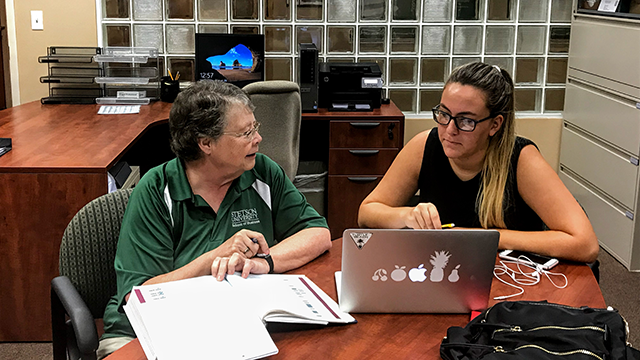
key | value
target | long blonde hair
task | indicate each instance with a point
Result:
(497, 86)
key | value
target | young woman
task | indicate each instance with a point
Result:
(472, 170)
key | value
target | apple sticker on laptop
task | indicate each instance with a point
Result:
(418, 274)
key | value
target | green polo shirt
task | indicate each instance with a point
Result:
(166, 226)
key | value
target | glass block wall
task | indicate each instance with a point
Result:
(415, 42)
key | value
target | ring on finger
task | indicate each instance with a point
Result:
(247, 249)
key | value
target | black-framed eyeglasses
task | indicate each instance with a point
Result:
(249, 135)
(462, 123)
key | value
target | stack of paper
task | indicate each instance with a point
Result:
(203, 318)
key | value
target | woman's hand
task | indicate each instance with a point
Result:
(245, 243)
(229, 265)
(237, 254)
(422, 216)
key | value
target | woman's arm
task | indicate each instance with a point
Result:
(300, 248)
(202, 265)
(291, 253)
(384, 207)
(570, 236)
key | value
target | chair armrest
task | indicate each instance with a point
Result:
(66, 299)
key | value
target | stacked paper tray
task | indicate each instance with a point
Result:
(71, 74)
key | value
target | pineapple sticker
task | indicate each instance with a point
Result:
(439, 262)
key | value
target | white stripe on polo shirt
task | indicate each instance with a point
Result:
(264, 191)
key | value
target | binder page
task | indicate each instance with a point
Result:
(139, 329)
(201, 318)
(290, 299)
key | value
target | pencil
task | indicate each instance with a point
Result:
(171, 76)
(448, 226)
(177, 76)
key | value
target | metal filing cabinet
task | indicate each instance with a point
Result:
(600, 148)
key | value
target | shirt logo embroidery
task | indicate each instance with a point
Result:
(244, 217)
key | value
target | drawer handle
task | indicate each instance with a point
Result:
(362, 179)
(365, 125)
(364, 152)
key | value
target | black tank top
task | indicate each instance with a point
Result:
(456, 199)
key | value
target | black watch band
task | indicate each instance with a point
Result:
(269, 261)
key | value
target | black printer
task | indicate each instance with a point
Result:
(349, 86)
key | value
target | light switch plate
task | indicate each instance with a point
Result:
(37, 20)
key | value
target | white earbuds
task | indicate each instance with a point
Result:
(523, 278)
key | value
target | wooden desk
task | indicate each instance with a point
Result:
(59, 162)
(397, 336)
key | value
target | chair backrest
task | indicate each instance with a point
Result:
(279, 110)
(89, 247)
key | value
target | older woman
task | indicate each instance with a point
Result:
(218, 208)
(472, 170)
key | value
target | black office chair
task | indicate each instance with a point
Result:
(87, 278)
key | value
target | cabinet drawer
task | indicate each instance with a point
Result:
(613, 118)
(345, 195)
(360, 162)
(364, 134)
(596, 42)
(613, 229)
(609, 171)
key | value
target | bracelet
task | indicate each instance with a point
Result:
(269, 261)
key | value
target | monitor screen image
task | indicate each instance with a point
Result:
(234, 58)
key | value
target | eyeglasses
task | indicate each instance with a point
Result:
(249, 135)
(462, 123)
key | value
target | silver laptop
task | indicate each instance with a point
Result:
(416, 271)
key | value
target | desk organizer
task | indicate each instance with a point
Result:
(110, 75)
(130, 77)
(71, 75)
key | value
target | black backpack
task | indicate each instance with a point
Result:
(540, 330)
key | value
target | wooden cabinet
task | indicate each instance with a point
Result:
(59, 162)
(360, 161)
(362, 146)
(600, 150)
(345, 195)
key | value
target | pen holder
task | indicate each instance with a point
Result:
(169, 89)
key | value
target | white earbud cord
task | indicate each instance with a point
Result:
(526, 278)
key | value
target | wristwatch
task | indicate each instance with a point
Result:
(269, 261)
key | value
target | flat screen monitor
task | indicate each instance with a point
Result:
(234, 58)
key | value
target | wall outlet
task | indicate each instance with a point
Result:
(37, 20)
